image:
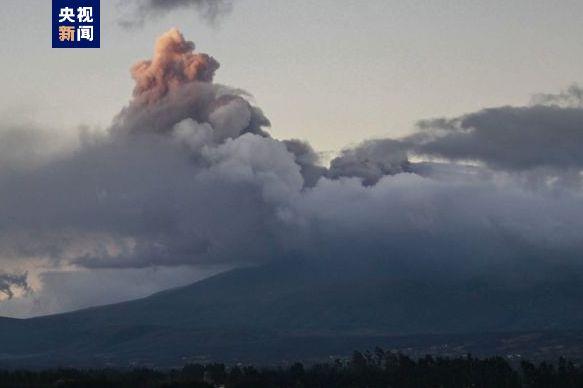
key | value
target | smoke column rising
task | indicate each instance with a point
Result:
(188, 174)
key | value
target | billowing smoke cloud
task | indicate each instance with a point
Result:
(572, 97)
(173, 65)
(140, 11)
(509, 138)
(307, 159)
(544, 137)
(371, 161)
(188, 174)
(9, 283)
(177, 85)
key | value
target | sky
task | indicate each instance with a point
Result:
(318, 69)
(432, 131)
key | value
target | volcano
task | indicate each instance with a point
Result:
(291, 310)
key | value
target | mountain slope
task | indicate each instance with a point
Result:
(253, 313)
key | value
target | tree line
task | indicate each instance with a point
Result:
(363, 370)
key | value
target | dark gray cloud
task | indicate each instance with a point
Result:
(508, 138)
(137, 12)
(308, 160)
(572, 97)
(11, 282)
(371, 160)
(26, 146)
(188, 174)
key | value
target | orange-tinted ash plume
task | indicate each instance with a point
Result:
(174, 64)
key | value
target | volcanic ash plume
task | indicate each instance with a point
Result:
(177, 84)
(187, 175)
(174, 64)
